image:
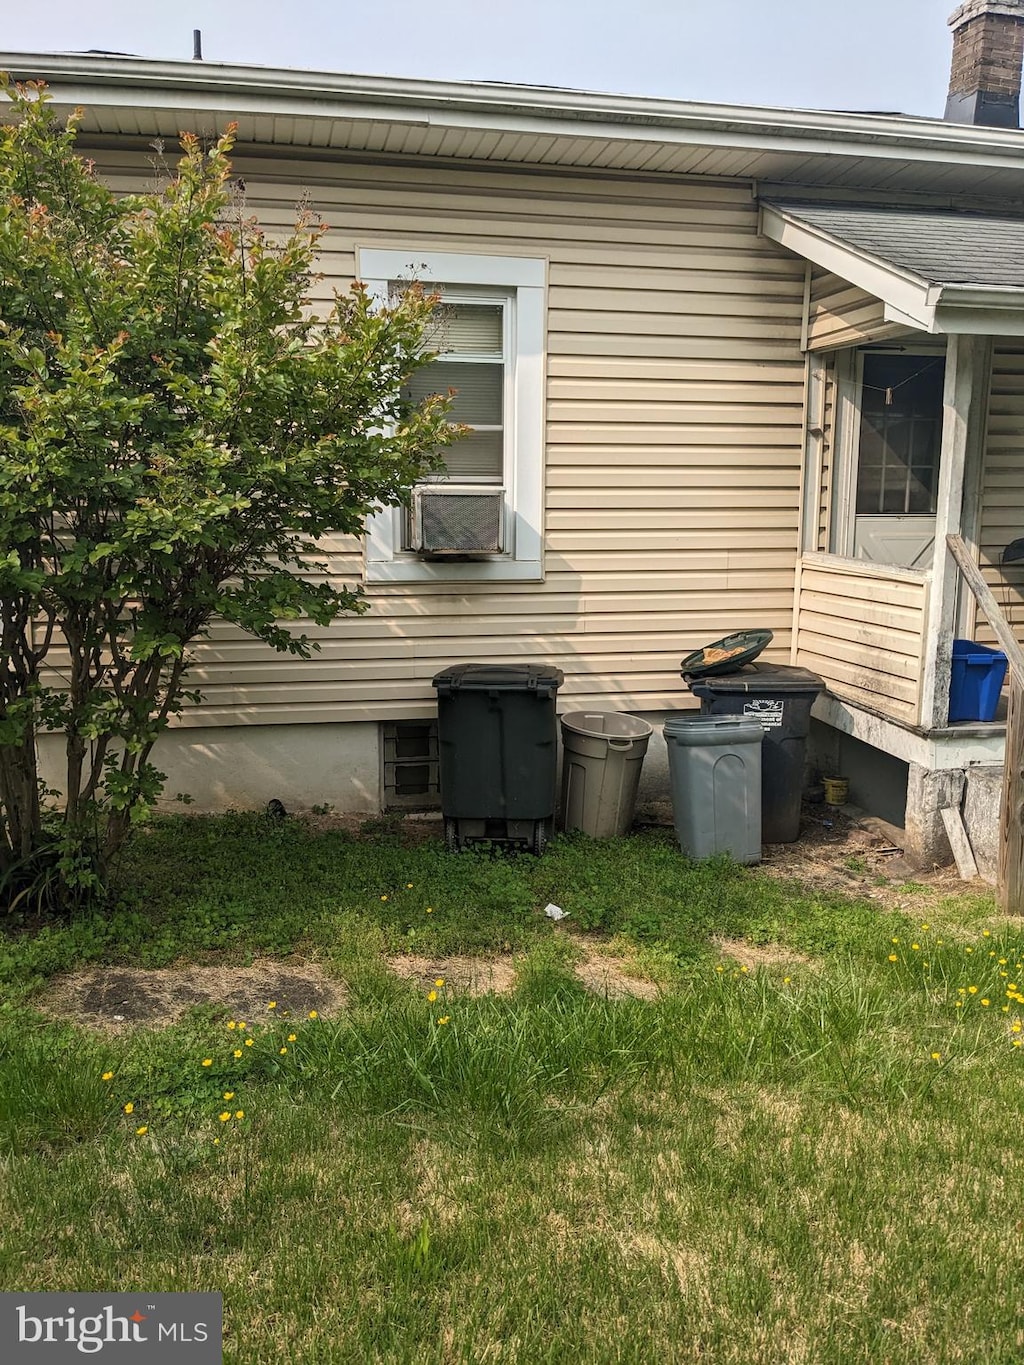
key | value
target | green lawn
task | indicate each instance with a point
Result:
(815, 1159)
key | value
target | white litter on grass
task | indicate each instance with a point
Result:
(555, 912)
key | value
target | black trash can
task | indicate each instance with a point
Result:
(498, 751)
(781, 698)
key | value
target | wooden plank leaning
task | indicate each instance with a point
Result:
(1010, 884)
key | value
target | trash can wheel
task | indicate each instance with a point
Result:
(541, 834)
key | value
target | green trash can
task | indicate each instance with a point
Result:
(714, 765)
(498, 750)
(602, 754)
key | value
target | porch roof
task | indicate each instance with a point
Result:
(938, 270)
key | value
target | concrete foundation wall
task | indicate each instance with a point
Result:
(242, 768)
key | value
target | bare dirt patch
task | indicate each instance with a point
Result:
(753, 955)
(461, 975)
(842, 849)
(611, 977)
(113, 999)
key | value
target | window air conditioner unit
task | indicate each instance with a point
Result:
(458, 519)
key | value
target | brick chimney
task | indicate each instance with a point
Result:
(988, 48)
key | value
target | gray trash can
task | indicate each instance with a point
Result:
(602, 754)
(714, 765)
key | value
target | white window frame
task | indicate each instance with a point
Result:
(849, 377)
(524, 280)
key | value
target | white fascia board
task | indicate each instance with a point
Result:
(907, 293)
(213, 88)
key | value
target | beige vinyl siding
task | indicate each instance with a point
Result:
(862, 628)
(674, 402)
(1002, 499)
(840, 314)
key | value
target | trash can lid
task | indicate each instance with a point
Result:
(506, 677)
(727, 655)
(760, 678)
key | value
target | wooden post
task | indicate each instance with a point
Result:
(964, 408)
(1010, 877)
(1010, 883)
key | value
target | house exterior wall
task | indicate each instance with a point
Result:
(1002, 493)
(673, 408)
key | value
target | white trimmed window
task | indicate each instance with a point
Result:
(490, 345)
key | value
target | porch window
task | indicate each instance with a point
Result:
(900, 435)
(888, 442)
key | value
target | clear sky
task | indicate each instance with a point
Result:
(888, 55)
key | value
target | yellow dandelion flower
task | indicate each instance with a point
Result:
(719, 968)
(272, 1005)
(992, 953)
(313, 1014)
(282, 1051)
(443, 1019)
(431, 996)
(383, 898)
(291, 1037)
(985, 933)
(248, 1042)
(140, 1131)
(936, 1056)
(216, 1142)
(129, 1108)
(1005, 1009)
(1002, 962)
(242, 1024)
(430, 909)
(225, 1116)
(786, 980)
(895, 940)
(107, 1076)
(237, 1052)
(1016, 1025)
(972, 990)
(207, 1061)
(1012, 986)
(915, 947)
(232, 1024)
(926, 927)
(239, 1113)
(744, 969)
(408, 886)
(1017, 1042)
(1004, 975)
(893, 957)
(229, 1094)
(986, 1002)
(959, 1004)
(968, 950)
(439, 981)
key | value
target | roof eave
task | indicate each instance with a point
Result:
(222, 88)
